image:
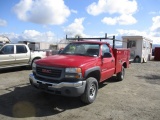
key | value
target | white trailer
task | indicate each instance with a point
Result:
(140, 48)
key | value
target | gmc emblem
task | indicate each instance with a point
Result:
(46, 71)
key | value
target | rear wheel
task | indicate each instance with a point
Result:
(90, 91)
(120, 75)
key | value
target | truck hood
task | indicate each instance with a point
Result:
(66, 61)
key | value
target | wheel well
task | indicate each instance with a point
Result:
(95, 74)
(125, 65)
(35, 59)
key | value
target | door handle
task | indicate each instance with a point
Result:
(11, 56)
(112, 60)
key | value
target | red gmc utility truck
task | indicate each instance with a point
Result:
(79, 67)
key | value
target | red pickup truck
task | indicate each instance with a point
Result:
(78, 68)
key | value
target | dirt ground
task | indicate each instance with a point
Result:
(137, 97)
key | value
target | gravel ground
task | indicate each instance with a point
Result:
(137, 97)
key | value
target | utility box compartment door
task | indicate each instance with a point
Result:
(121, 56)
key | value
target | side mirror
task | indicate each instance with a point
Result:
(60, 50)
(107, 55)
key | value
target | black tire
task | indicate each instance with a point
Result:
(120, 75)
(91, 90)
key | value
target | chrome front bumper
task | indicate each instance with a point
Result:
(63, 88)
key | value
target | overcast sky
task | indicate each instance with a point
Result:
(51, 20)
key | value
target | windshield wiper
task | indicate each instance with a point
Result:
(80, 54)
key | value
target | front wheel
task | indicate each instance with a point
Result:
(120, 75)
(91, 90)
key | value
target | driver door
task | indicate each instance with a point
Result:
(7, 56)
(108, 63)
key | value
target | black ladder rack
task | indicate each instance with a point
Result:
(100, 38)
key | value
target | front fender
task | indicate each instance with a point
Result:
(90, 70)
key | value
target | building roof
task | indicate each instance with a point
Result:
(4, 39)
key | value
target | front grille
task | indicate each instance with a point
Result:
(44, 79)
(49, 72)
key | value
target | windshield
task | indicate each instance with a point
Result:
(84, 49)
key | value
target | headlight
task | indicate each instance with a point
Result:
(73, 73)
(73, 70)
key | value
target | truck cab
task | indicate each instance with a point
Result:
(78, 68)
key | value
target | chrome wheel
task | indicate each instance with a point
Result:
(92, 91)
(120, 75)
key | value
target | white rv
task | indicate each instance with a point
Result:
(140, 48)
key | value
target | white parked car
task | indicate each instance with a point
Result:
(13, 55)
